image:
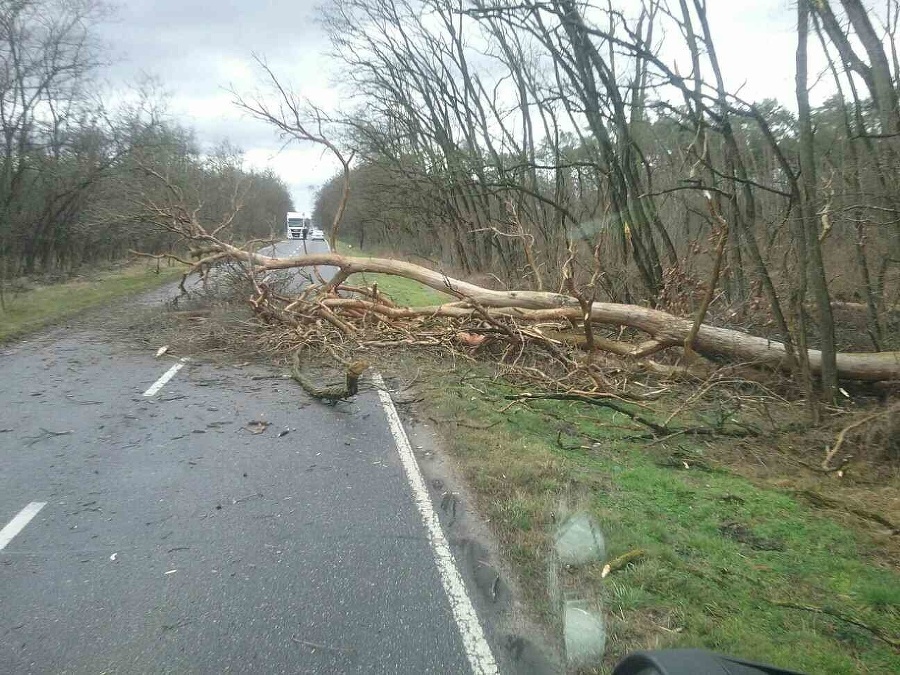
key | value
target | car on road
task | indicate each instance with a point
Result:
(316, 233)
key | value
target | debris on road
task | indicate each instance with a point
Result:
(257, 426)
(45, 434)
(162, 350)
(255, 495)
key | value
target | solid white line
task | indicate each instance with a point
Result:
(476, 647)
(18, 523)
(168, 375)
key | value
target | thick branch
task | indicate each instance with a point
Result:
(665, 328)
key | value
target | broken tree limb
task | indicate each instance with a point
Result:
(622, 561)
(879, 633)
(820, 500)
(603, 400)
(665, 329)
(841, 437)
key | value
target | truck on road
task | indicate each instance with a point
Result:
(298, 225)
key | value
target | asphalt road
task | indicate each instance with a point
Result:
(291, 247)
(175, 539)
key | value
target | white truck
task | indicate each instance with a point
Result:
(298, 225)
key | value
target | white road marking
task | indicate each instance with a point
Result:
(476, 647)
(18, 523)
(168, 375)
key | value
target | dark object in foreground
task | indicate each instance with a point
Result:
(330, 394)
(692, 662)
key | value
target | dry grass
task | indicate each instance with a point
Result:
(37, 306)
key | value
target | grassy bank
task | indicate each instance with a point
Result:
(44, 305)
(731, 560)
(401, 291)
(723, 556)
(734, 559)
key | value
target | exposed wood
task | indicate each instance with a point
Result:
(622, 561)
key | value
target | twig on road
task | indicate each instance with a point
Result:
(45, 434)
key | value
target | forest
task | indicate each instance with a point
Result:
(79, 173)
(524, 142)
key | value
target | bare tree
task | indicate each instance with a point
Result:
(46, 57)
(546, 139)
(302, 121)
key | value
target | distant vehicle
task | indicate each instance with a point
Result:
(298, 225)
(316, 233)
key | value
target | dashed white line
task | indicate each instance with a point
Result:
(168, 375)
(18, 523)
(478, 651)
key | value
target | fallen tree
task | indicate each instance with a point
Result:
(510, 316)
(664, 330)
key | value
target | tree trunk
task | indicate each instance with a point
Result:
(809, 231)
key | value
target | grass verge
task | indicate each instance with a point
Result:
(41, 306)
(402, 291)
(724, 555)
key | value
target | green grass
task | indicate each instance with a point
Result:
(42, 306)
(721, 551)
(402, 291)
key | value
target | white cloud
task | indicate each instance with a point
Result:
(199, 50)
(301, 168)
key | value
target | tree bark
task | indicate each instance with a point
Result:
(811, 252)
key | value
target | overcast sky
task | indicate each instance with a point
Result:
(198, 49)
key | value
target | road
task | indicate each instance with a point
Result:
(218, 522)
(292, 247)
